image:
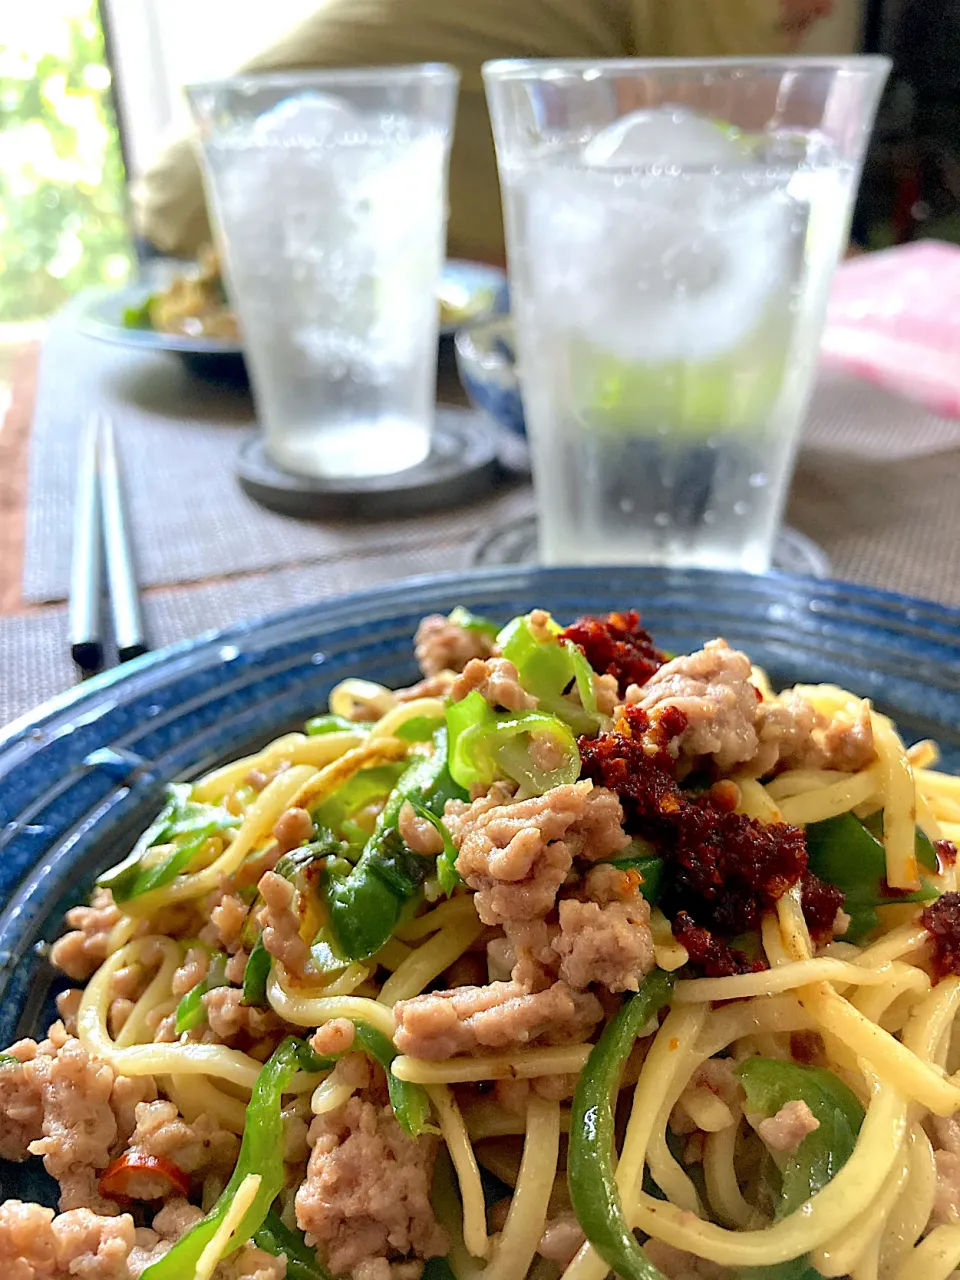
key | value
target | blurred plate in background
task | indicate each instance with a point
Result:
(469, 291)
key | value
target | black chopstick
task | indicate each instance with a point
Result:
(86, 570)
(121, 578)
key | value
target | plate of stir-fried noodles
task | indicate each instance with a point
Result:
(525, 924)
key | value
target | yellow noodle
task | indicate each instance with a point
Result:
(927, 819)
(446, 913)
(668, 953)
(352, 695)
(720, 1175)
(137, 1027)
(840, 1022)
(823, 1216)
(786, 978)
(905, 979)
(449, 1214)
(392, 954)
(663, 1066)
(243, 1198)
(893, 1060)
(707, 1111)
(491, 1120)
(756, 802)
(313, 1011)
(196, 1096)
(933, 781)
(899, 806)
(797, 782)
(936, 1257)
(292, 748)
(122, 932)
(517, 1245)
(521, 1064)
(838, 1257)
(429, 960)
(912, 1212)
(366, 756)
(257, 823)
(669, 1175)
(158, 1059)
(464, 1159)
(923, 754)
(347, 982)
(831, 801)
(850, 1191)
(330, 1094)
(417, 709)
(900, 942)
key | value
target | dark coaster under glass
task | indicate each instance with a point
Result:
(463, 465)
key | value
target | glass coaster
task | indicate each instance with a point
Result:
(462, 466)
(516, 543)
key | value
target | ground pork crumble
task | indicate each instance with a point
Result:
(441, 645)
(728, 725)
(366, 1194)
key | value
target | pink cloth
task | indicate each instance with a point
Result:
(894, 319)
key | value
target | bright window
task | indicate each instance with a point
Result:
(63, 218)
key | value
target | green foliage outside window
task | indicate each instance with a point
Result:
(63, 218)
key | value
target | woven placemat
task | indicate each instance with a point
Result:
(178, 439)
(35, 652)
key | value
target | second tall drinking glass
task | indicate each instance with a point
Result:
(329, 190)
(672, 230)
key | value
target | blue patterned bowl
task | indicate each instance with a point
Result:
(487, 368)
(81, 777)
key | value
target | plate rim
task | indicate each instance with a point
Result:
(91, 691)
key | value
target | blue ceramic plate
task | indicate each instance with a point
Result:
(84, 775)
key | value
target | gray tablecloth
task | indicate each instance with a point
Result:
(877, 486)
(178, 439)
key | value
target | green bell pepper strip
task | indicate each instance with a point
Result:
(410, 1102)
(139, 317)
(8, 1057)
(190, 1011)
(364, 903)
(276, 1238)
(485, 744)
(255, 975)
(549, 669)
(180, 818)
(355, 794)
(447, 873)
(591, 1167)
(923, 845)
(438, 1269)
(467, 621)
(769, 1085)
(320, 725)
(847, 853)
(261, 1152)
(417, 728)
(639, 856)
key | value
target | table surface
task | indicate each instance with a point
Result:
(876, 486)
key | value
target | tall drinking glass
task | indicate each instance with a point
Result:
(672, 230)
(329, 194)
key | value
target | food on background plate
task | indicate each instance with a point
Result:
(571, 958)
(195, 304)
